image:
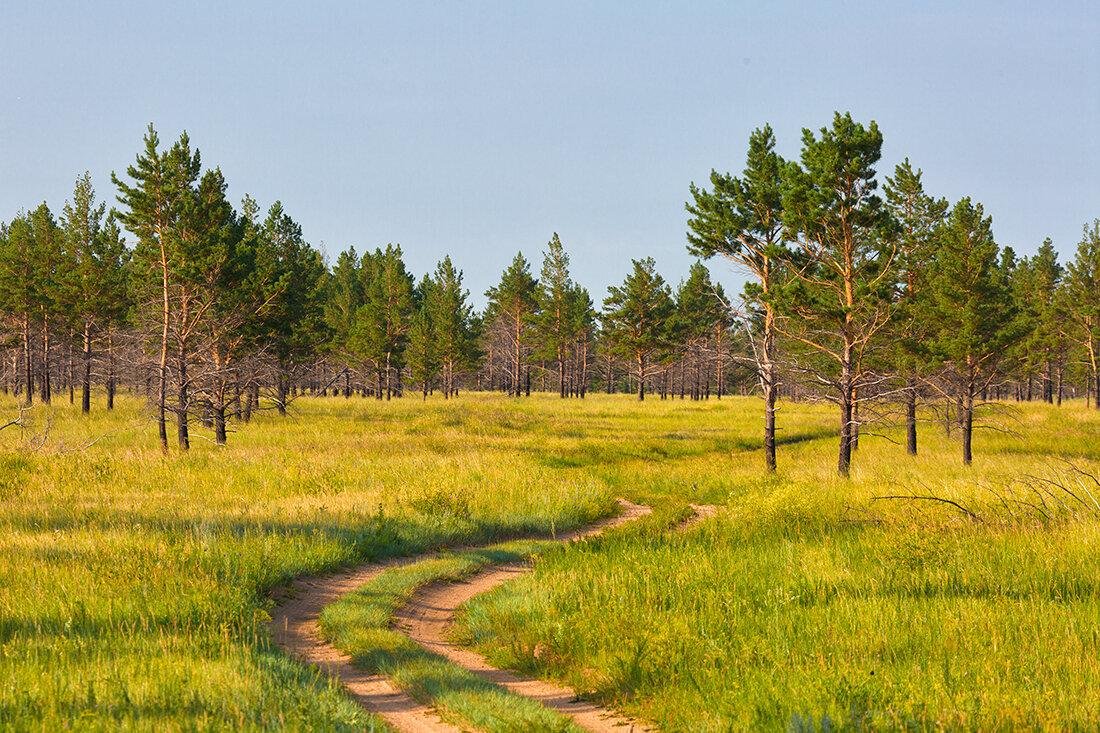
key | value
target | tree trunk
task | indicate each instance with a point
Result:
(517, 360)
(561, 373)
(769, 421)
(911, 417)
(281, 389)
(968, 424)
(28, 366)
(110, 369)
(72, 368)
(219, 423)
(86, 382)
(162, 386)
(844, 457)
(641, 378)
(182, 433)
(853, 438)
(44, 386)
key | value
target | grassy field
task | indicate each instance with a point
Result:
(133, 587)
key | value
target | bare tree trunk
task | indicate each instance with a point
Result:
(641, 378)
(844, 457)
(854, 437)
(561, 372)
(72, 368)
(162, 386)
(44, 386)
(282, 388)
(86, 381)
(769, 420)
(28, 366)
(182, 433)
(967, 420)
(110, 369)
(219, 423)
(911, 417)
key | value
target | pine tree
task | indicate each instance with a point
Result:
(343, 298)
(154, 205)
(636, 316)
(841, 303)
(381, 326)
(97, 287)
(19, 291)
(291, 308)
(582, 326)
(917, 218)
(967, 304)
(513, 303)
(1082, 302)
(452, 321)
(741, 219)
(700, 307)
(555, 324)
(421, 352)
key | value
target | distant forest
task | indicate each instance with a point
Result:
(894, 304)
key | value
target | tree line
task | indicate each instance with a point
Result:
(899, 301)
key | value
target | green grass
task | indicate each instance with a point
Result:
(809, 604)
(133, 587)
(360, 624)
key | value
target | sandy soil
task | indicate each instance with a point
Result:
(294, 628)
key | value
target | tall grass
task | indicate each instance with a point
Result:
(133, 587)
(812, 603)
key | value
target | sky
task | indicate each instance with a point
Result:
(478, 129)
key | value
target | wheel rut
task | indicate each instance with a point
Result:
(427, 619)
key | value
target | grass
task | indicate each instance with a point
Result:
(133, 587)
(809, 604)
(360, 624)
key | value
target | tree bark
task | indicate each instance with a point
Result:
(28, 366)
(769, 422)
(86, 381)
(219, 424)
(911, 417)
(162, 386)
(844, 457)
(282, 389)
(110, 369)
(968, 425)
(44, 386)
(182, 432)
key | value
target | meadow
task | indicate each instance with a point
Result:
(134, 587)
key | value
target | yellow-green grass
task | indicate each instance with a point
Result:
(361, 625)
(133, 587)
(809, 603)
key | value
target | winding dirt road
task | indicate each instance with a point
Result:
(427, 619)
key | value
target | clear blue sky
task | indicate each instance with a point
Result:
(477, 129)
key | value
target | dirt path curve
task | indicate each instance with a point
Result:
(294, 628)
(429, 616)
